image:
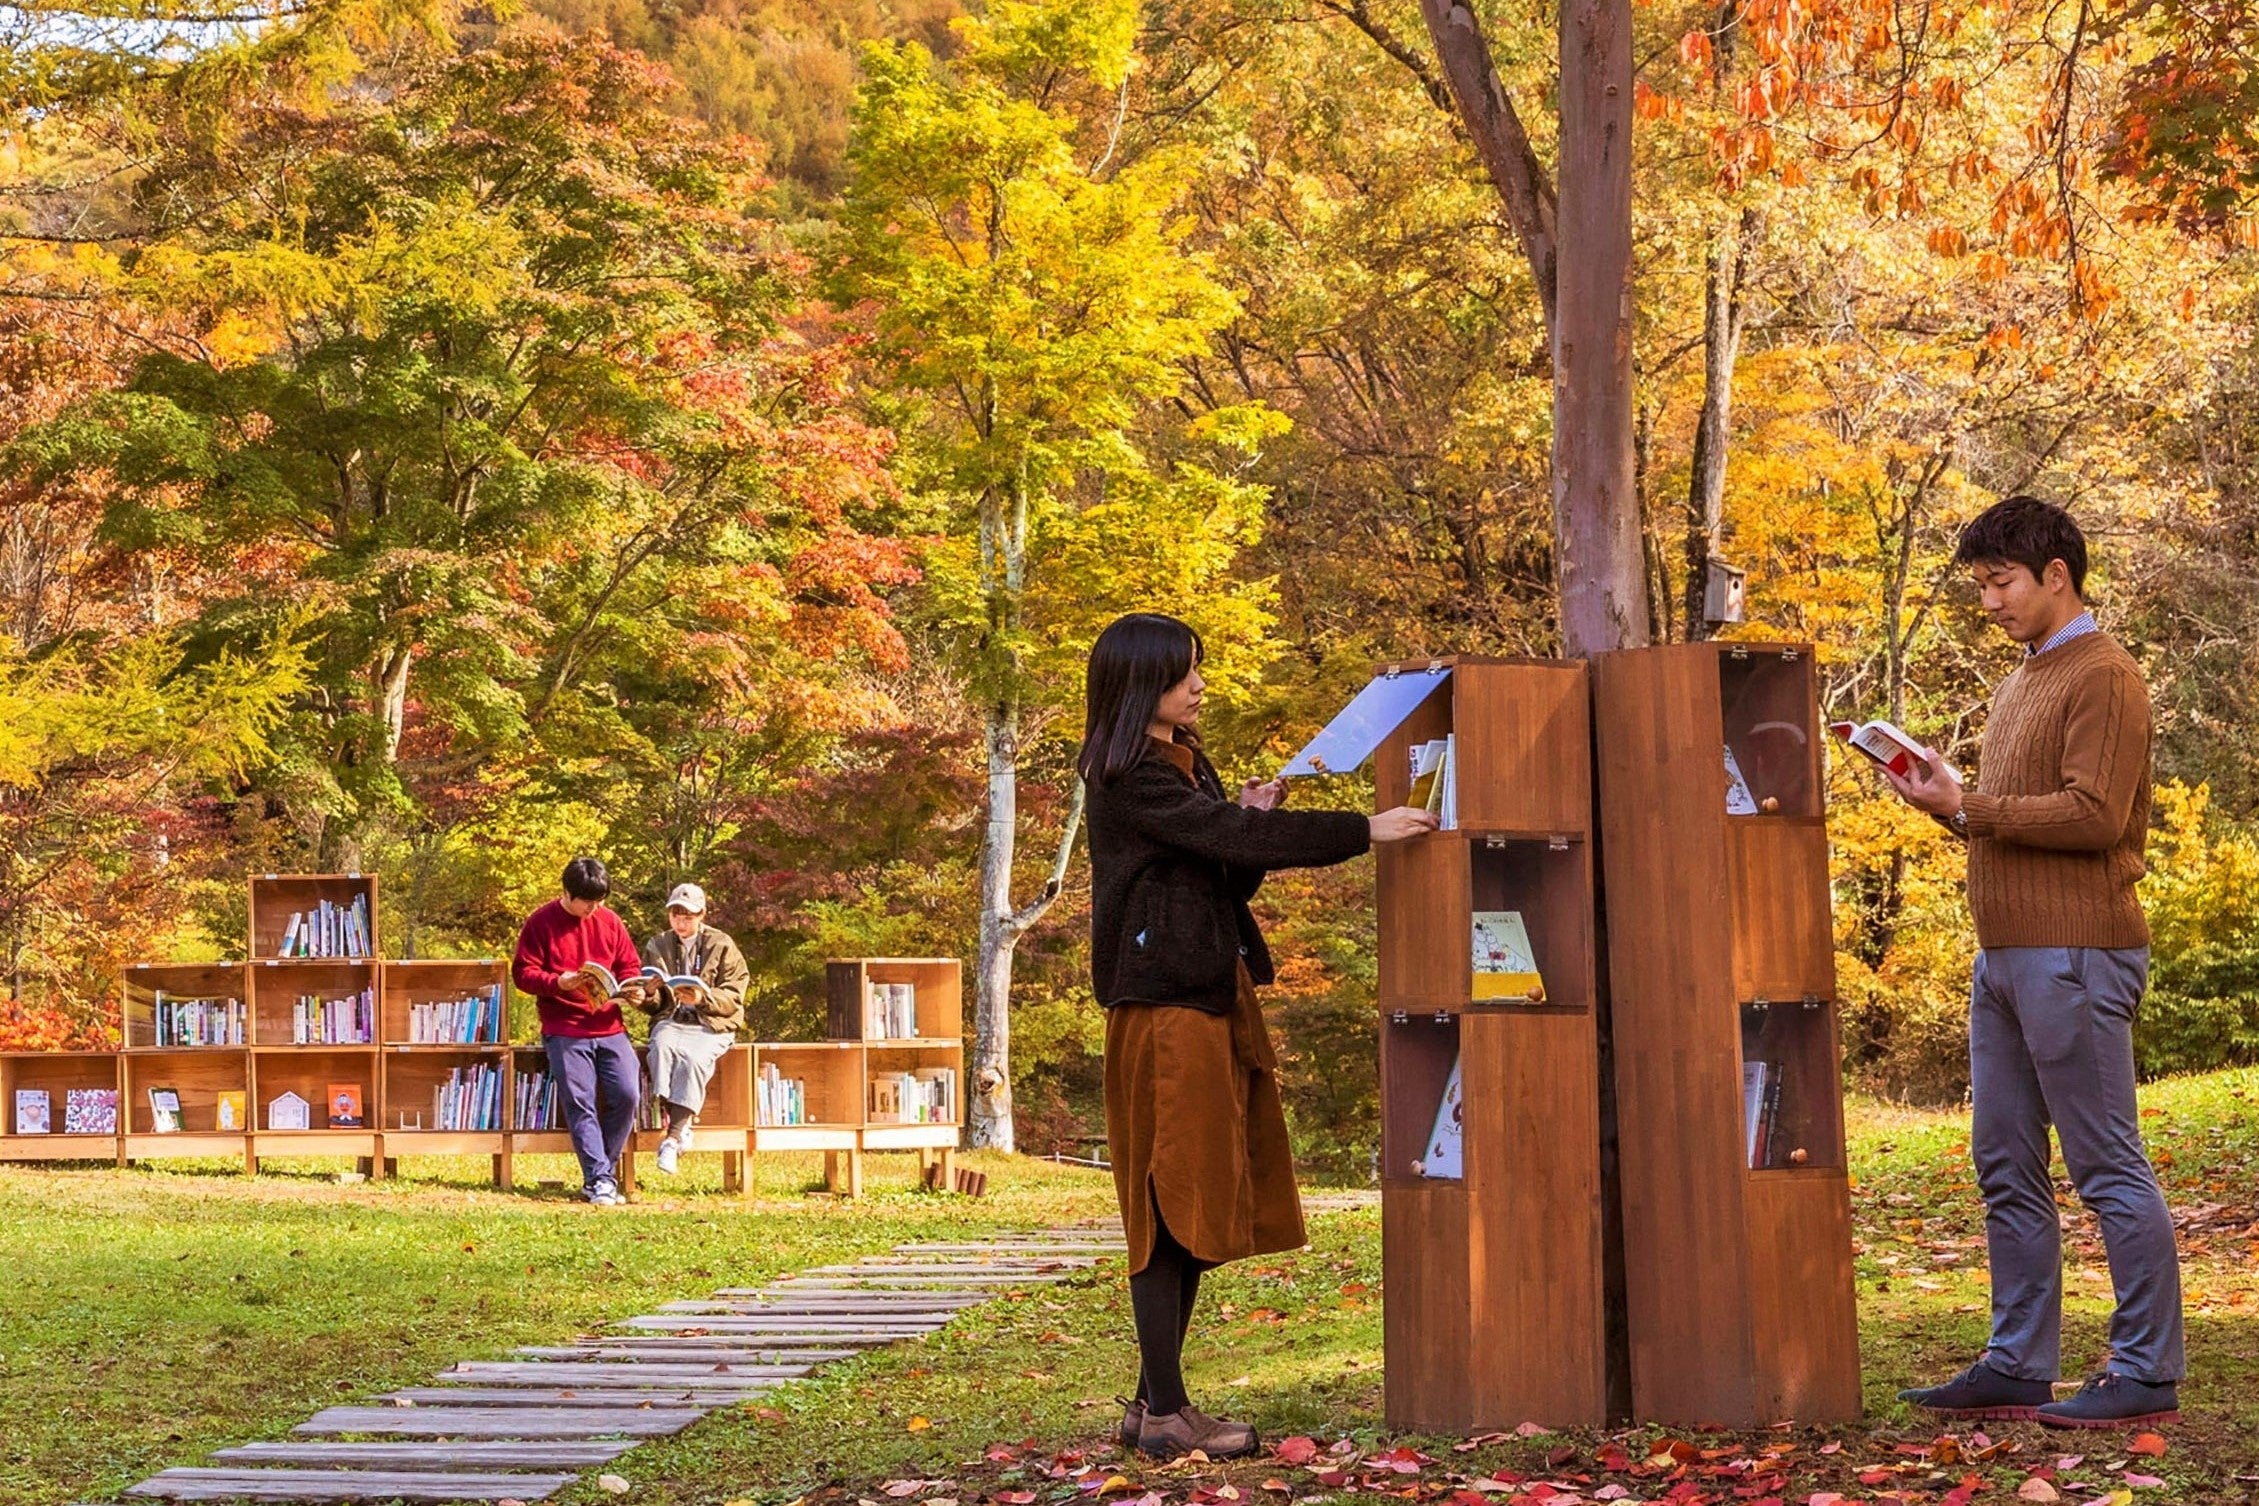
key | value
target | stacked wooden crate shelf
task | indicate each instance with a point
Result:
(1494, 1313)
(1737, 1264)
(399, 1077)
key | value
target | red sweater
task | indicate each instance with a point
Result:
(555, 943)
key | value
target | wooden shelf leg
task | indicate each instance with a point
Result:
(854, 1172)
(948, 1168)
(733, 1171)
(502, 1170)
(250, 1159)
(831, 1171)
(627, 1172)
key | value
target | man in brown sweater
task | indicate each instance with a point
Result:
(2056, 827)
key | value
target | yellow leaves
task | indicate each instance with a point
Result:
(917, 1424)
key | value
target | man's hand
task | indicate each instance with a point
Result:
(1931, 787)
(1258, 796)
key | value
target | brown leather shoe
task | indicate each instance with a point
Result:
(1133, 1421)
(1178, 1434)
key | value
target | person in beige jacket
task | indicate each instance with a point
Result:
(691, 1031)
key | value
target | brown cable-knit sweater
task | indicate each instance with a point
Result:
(2060, 813)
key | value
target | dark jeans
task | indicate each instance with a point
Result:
(598, 1082)
(2051, 1042)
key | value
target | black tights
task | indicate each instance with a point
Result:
(1161, 1298)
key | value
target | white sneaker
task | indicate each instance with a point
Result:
(669, 1154)
(682, 1137)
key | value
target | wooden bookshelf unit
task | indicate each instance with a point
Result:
(1721, 957)
(1495, 1309)
(406, 1085)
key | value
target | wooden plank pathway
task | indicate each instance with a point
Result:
(523, 1428)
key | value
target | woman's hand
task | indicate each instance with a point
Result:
(1404, 821)
(1258, 796)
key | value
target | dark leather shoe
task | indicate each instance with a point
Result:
(1983, 1392)
(1133, 1421)
(1179, 1433)
(2114, 1401)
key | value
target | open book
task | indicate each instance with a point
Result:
(659, 988)
(1890, 747)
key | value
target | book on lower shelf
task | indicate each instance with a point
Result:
(288, 1111)
(1444, 1157)
(927, 1095)
(228, 1112)
(473, 1019)
(34, 1111)
(164, 1111)
(779, 1100)
(197, 1022)
(1760, 1110)
(535, 1108)
(90, 1111)
(1505, 964)
(344, 1099)
(468, 1099)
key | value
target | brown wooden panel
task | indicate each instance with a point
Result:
(1524, 746)
(1424, 1309)
(1425, 941)
(1806, 1322)
(1783, 935)
(1677, 1058)
(1536, 1348)
(1769, 699)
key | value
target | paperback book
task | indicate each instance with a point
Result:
(329, 930)
(927, 1095)
(473, 1019)
(1445, 1155)
(890, 1012)
(1435, 780)
(536, 1105)
(1505, 965)
(1760, 1110)
(288, 1111)
(778, 1099)
(90, 1111)
(348, 1020)
(468, 1099)
(1889, 747)
(164, 1111)
(344, 1099)
(33, 1111)
(196, 1022)
(228, 1111)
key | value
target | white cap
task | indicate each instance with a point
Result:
(688, 897)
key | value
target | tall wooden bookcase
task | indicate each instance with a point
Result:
(1494, 1311)
(1720, 954)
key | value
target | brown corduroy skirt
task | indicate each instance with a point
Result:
(1195, 1127)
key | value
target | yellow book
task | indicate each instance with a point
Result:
(1505, 965)
(228, 1113)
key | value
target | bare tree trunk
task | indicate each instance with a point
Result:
(1722, 318)
(1596, 525)
(990, 1103)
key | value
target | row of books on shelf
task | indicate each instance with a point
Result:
(329, 930)
(473, 1019)
(1761, 1115)
(890, 1011)
(348, 1020)
(197, 1022)
(467, 1099)
(536, 1106)
(927, 1095)
(778, 1099)
(1435, 779)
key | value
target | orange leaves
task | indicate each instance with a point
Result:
(2149, 1445)
(1948, 240)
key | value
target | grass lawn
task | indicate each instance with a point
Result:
(150, 1316)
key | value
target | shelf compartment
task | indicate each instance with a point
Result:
(275, 896)
(308, 1072)
(56, 1074)
(833, 1072)
(938, 993)
(146, 984)
(199, 1076)
(1768, 699)
(1784, 932)
(278, 984)
(1796, 1044)
(1431, 888)
(413, 1079)
(434, 980)
(1522, 745)
(887, 1060)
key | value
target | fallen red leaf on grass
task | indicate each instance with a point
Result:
(2152, 1444)
(1296, 1450)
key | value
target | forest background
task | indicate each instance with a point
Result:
(709, 434)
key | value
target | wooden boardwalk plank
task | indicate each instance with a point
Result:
(612, 1398)
(401, 1454)
(882, 1313)
(503, 1422)
(842, 1332)
(663, 1348)
(343, 1485)
(638, 1374)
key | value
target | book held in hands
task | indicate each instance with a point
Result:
(1889, 747)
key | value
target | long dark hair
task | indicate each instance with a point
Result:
(1133, 663)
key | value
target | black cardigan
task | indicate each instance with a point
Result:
(1173, 863)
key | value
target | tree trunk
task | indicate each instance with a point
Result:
(989, 1120)
(1722, 318)
(1596, 526)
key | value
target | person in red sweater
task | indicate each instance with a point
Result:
(590, 1057)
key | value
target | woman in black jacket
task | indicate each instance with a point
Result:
(1193, 1120)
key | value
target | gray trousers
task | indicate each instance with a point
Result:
(2051, 1040)
(598, 1086)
